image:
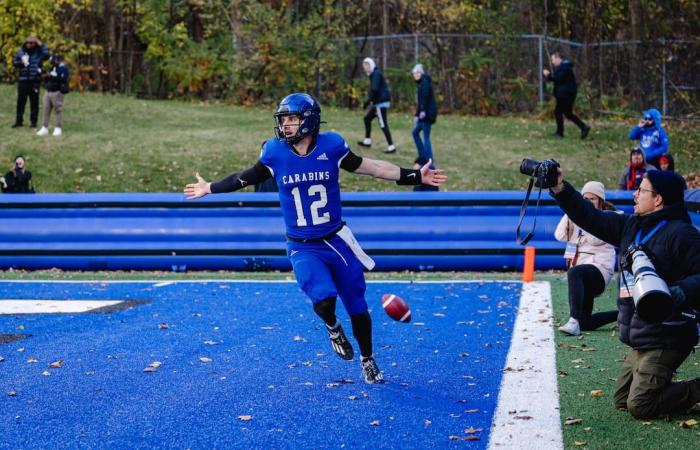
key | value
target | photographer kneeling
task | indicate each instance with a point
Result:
(655, 321)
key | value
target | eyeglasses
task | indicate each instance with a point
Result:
(640, 189)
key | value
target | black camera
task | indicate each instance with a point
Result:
(544, 172)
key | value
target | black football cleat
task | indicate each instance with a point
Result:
(340, 343)
(371, 372)
(584, 132)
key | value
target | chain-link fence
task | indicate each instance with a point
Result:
(488, 74)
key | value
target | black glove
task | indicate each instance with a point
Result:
(677, 297)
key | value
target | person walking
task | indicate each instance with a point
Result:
(565, 90)
(377, 105)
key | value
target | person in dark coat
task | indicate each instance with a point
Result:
(18, 179)
(658, 345)
(426, 113)
(377, 105)
(565, 90)
(28, 62)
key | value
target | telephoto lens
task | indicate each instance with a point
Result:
(650, 293)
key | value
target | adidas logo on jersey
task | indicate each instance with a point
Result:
(322, 157)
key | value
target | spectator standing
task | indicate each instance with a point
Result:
(377, 105)
(426, 114)
(56, 88)
(565, 90)
(28, 61)
(591, 264)
(651, 136)
(18, 179)
(632, 175)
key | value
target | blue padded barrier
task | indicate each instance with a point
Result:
(245, 231)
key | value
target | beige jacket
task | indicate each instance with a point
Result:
(591, 250)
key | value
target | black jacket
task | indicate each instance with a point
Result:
(675, 252)
(425, 99)
(378, 89)
(37, 55)
(18, 183)
(564, 80)
(59, 82)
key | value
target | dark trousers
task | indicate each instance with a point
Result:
(644, 385)
(28, 89)
(565, 108)
(585, 284)
(383, 124)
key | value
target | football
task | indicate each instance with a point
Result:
(396, 308)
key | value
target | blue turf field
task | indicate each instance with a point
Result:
(270, 359)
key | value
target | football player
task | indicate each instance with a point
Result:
(327, 260)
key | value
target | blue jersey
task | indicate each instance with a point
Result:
(309, 190)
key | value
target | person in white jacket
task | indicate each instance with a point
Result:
(591, 264)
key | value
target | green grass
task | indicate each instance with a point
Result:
(603, 426)
(115, 143)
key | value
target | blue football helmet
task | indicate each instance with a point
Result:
(304, 106)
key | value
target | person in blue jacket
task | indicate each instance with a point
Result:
(651, 136)
(28, 62)
(326, 258)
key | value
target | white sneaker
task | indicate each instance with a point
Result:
(366, 142)
(571, 327)
(57, 132)
(43, 131)
(390, 149)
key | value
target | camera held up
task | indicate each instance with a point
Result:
(650, 293)
(544, 175)
(544, 172)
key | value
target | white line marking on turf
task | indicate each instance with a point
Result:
(234, 280)
(529, 384)
(11, 307)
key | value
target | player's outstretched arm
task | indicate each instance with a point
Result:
(390, 171)
(253, 175)
(198, 189)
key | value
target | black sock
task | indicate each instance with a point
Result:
(326, 311)
(362, 330)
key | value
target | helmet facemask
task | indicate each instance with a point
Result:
(304, 107)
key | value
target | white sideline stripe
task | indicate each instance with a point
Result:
(24, 306)
(530, 388)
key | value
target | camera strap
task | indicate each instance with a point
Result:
(523, 208)
(638, 240)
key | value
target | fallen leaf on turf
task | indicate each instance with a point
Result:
(597, 393)
(163, 326)
(588, 350)
(332, 385)
(523, 417)
(32, 360)
(427, 422)
(690, 423)
(45, 373)
(472, 438)
(462, 401)
(204, 359)
(2, 358)
(298, 338)
(646, 423)
(352, 397)
(375, 423)
(572, 421)
(150, 369)
(455, 438)
(579, 443)
(11, 394)
(56, 364)
(210, 342)
(471, 411)
(563, 373)
(577, 361)
(472, 430)
(245, 418)
(587, 429)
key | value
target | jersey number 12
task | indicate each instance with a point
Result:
(316, 219)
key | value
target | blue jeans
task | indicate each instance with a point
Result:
(425, 149)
